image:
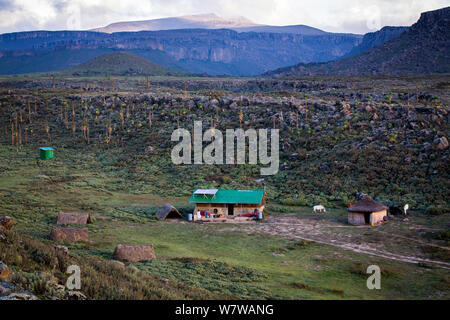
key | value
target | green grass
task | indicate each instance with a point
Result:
(122, 186)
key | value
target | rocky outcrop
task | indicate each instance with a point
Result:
(134, 253)
(441, 143)
(69, 234)
(75, 295)
(5, 273)
(6, 223)
(10, 291)
(18, 296)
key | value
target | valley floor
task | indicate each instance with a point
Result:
(291, 254)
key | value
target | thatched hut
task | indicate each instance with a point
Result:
(134, 253)
(366, 211)
(73, 218)
(168, 211)
(69, 234)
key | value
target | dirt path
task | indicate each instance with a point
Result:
(416, 240)
(324, 232)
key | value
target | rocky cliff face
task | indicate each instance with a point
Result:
(422, 49)
(198, 50)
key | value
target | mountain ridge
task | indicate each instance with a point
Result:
(215, 52)
(205, 21)
(377, 38)
(422, 49)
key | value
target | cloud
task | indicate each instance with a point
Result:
(357, 16)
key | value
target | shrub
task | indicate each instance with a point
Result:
(436, 211)
(299, 202)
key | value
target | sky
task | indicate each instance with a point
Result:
(352, 16)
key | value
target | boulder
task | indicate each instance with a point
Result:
(6, 223)
(149, 149)
(69, 234)
(75, 295)
(134, 253)
(441, 143)
(7, 288)
(19, 296)
(73, 218)
(5, 273)
(63, 249)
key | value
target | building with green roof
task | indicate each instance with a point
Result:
(220, 203)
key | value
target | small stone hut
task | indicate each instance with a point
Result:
(367, 211)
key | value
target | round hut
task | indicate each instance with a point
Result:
(366, 211)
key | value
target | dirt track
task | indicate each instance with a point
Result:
(338, 235)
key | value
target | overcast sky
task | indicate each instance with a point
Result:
(356, 16)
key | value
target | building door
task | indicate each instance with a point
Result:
(367, 218)
(231, 209)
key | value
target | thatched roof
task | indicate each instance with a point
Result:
(73, 218)
(367, 205)
(168, 211)
(134, 253)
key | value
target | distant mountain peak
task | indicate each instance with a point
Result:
(197, 21)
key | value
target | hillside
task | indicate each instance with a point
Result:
(120, 64)
(378, 38)
(422, 49)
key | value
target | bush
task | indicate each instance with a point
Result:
(443, 235)
(299, 202)
(186, 209)
(437, 211)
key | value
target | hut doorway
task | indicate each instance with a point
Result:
(231, 209)
(367, 218)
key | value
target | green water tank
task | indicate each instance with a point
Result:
(46, 153)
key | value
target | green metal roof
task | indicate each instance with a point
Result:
(230, 196)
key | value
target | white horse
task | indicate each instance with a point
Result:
(405, 209)
(319, 208)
